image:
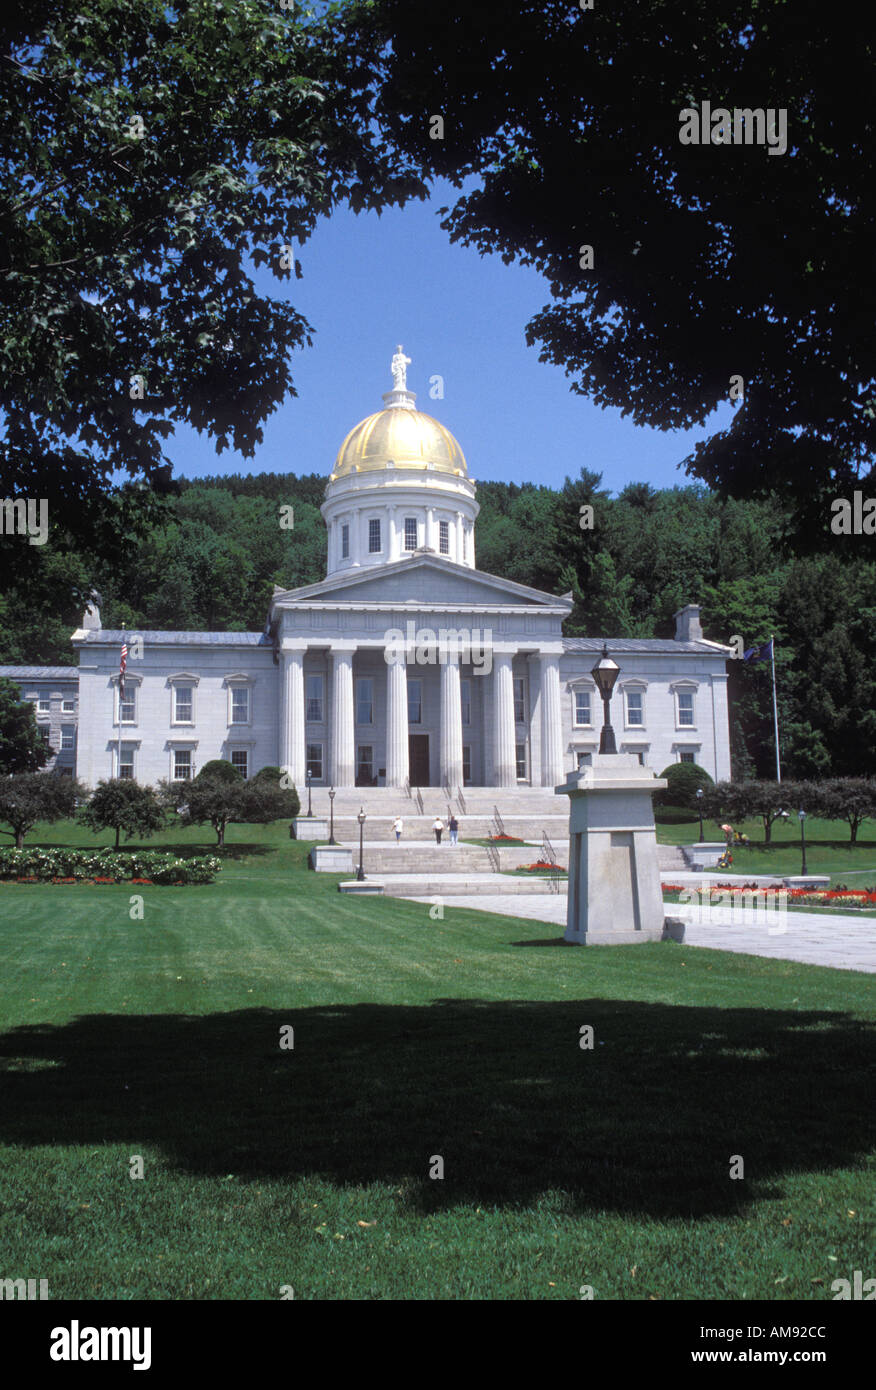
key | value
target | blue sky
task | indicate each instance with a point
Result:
(371, 282)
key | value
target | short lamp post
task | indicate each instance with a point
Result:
(605, 673)
(307, 777)
(361, 819)
(801, 816)
(700, 810)
(332, 794)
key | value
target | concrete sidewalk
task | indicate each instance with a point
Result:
(813, 938)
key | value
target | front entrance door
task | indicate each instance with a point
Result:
(418, 753)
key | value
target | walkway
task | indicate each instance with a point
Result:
(814, 938)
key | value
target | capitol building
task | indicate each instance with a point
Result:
(406, 666)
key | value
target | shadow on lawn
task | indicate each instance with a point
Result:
(645, 1123)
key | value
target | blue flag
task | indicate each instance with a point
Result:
(764, 653)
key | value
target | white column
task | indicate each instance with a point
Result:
(430, 529)
(457, 550)
(342, 759)
(552, 772)
(451, 726)
(393, 550)
(292, 716)
(397, 759)
(505, 752)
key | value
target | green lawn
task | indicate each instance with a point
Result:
(414, 1037)
(828, 850)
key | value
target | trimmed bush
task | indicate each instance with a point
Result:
(119, 866)
(683, 779)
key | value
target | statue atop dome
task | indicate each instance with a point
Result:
(400, 364)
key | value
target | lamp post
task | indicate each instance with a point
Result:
(307, 782)
(605, 673)
(700, 810)
(361, 819)
(332, 840)
(801, 816)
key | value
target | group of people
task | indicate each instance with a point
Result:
(438, 826)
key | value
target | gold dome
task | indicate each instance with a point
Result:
(399, 438)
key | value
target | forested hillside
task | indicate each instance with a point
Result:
(220, 548)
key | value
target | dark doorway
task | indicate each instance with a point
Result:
(418, 753)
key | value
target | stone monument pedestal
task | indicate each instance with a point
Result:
(614, 876)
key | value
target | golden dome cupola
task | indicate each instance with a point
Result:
(399, 485)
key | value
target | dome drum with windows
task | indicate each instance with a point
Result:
(399, 486)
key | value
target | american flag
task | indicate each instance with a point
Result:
(123, 663)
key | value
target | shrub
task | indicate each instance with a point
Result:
(683, 779)
(106, 866)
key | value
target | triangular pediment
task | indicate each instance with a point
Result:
(421, 581)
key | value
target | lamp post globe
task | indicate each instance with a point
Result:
(361, 819)
(307, 777)
(332, 840)
(605, 673)
(700, 810)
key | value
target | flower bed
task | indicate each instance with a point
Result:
(105, 866)
(540, 865)
(841, 896)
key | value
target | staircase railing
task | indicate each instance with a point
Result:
(493, 856)
(419, 801)
(407, 788)
(549, 856)
(498, 823)
(460, 801)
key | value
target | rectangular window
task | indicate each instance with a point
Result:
(314, 699)
(365, 766)
(687, 757)
(410, 533)
(686, 708)
(240, 760)
(126, 763)
(373, 537)
(444, 537)
(521, 762)
(345, 541)
(364, 701)
(68, 738)
(582, 708)
(240, 705)
(68, 706)
(465, 697)
(44, 732)
(415, 702)
(128, 706)
(519, 700)
(183, 705)
(182, 764)
(635, 710)
(44, 704)
(314, 761)
(466, 764)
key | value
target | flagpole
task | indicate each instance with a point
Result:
(119, 748)
(775, 706)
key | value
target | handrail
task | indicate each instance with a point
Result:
(550, 857)
(407, 788)
(498, 822)
(493, 856)
(461, 801)
(419, 801)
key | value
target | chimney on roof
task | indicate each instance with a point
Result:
(687, 624)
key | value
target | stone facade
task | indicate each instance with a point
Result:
(54, 693)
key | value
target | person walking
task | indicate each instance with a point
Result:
(453, 827)
(438, 826)
(398, 826)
